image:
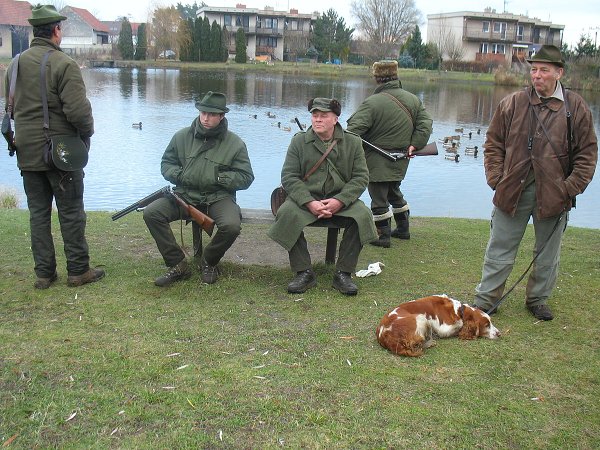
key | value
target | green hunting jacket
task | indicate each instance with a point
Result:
(207, 165)
(69, 110)
(382, 122)
(343, 176)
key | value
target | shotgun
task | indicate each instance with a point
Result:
(429, 150)
(198, 216)
(8, 134)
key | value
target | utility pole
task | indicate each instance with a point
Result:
(595, 39)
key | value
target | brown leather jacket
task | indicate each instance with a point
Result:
(507, 159)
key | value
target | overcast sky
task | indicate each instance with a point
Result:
(581, 16)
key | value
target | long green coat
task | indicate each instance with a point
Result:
(382, 122)
(207, 165)
(70, 112)
(343, 175)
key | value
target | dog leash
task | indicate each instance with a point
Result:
(501, 299)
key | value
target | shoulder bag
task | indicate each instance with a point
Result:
(63, 152)
(279, 194)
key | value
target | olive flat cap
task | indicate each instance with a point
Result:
(325, 105)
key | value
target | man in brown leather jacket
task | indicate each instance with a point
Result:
(535, 172)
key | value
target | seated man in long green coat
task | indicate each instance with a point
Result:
(330, 193)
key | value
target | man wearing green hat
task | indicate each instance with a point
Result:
(207, 163)
(540, 153)
(324, 189)
(70, 113)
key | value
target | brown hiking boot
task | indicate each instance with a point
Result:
(541, 312)
(181, 271)
(88, 277)
(210, 274)
(45, 283)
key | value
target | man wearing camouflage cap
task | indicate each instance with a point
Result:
(394, 120)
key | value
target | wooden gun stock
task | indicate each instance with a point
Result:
(199, 217)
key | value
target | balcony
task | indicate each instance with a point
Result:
(269, 32)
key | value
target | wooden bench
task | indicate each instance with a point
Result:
(264, 216)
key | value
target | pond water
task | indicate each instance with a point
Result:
(124, 163)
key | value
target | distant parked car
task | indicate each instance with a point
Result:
(167, 54)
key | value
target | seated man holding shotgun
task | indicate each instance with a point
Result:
(207, 163)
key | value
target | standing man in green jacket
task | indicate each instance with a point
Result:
(330, 193)
(207, 163)
(70, 113)
(395, 120)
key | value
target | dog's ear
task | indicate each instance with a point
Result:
(469, 330)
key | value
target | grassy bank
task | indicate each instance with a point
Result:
(242, 364)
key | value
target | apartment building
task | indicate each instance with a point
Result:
(489, 36)
(270, 34)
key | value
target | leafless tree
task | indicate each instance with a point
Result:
(447, 41)
(163, 30)
(453, 47)
(385, 24)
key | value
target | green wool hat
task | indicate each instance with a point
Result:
(548, 54)
(44, 14)
(213, 102)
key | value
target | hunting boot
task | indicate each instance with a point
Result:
(91, 276)
(178, 272)
(384, 231)
(401, 231)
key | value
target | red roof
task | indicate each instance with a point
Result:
(14, 12)
(88, 18)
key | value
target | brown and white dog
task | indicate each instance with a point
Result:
(410, 328)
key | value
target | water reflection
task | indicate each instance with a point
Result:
(125, 162)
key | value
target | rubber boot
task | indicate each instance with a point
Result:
(401, 231)
(384, 231)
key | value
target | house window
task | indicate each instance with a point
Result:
(270, 23)
(267, 41)
(520, 32)
(242, 21)
(227, 20)
(486, 27)
(498, 49)
(294, 25)
(483, 47)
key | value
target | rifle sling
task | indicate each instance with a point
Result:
(320, 161)
(403, 108)
(44, 93)
(13, 85)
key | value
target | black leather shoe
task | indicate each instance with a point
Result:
(303, 281)
(342, 281)
(541, 312)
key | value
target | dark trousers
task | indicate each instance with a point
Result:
(227, 216)
(66, 188)
(383, 194)
(348, 253)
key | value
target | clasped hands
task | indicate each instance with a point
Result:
(326, 208)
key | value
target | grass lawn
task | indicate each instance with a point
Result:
(242, 364)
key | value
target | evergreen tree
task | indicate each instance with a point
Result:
(142, 43)
(331, 38)
(224, 45)
(125, 44)
(240, 46)
(416, 49)
(215, 42)
(197, 39)
(205, 41)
